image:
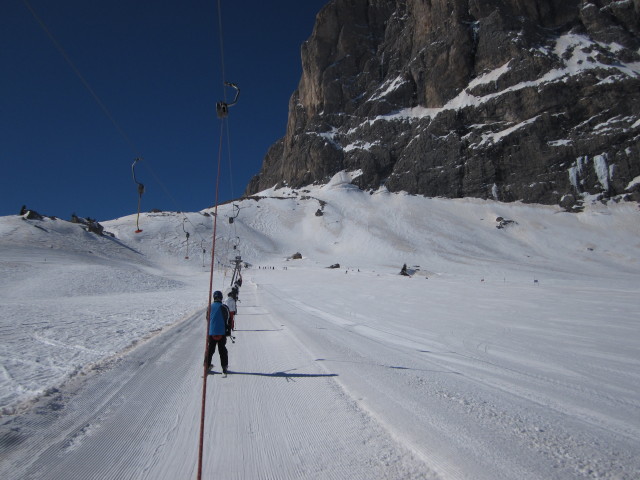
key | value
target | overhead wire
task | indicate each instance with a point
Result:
(137, 156)
(132, 146)
(208, 314)
(226, 123)
(223, 122)
(221, 43)
(86, 84)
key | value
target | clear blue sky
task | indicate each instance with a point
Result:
(156, 67)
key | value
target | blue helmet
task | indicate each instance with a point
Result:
(217, 296)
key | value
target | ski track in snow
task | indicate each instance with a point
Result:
(511, 422)
(278, 415)
(469, 370)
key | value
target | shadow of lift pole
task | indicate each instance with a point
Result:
(286, 375)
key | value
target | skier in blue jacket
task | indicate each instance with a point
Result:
(218, 331)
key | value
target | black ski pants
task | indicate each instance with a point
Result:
(222, 349)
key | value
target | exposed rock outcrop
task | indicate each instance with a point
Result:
(508, 99)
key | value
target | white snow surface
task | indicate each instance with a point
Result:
(508, 353)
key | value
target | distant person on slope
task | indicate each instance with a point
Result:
(230, 302)
(218, 331)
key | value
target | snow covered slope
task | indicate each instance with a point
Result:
(510, 352)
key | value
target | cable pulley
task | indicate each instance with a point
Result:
(222, 108)
(140, 192)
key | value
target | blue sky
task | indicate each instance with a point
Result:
(156, 67)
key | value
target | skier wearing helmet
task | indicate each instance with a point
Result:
(218, 330)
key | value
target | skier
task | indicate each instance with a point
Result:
(218, 331)
(230, 302)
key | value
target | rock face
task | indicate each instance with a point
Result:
(532, 100)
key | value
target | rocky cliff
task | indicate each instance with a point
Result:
(532, 100)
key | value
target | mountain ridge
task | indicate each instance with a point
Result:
(506, 100)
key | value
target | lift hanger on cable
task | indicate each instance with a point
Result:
(222, 108)
(140, 192)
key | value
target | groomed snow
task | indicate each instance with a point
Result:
(509, 353)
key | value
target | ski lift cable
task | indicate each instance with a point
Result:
(103, 107)
(221, 42)
(86, 84)
(234, 215)
(208, 314)
(213, 249)
(222, 111)
(229, 160)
